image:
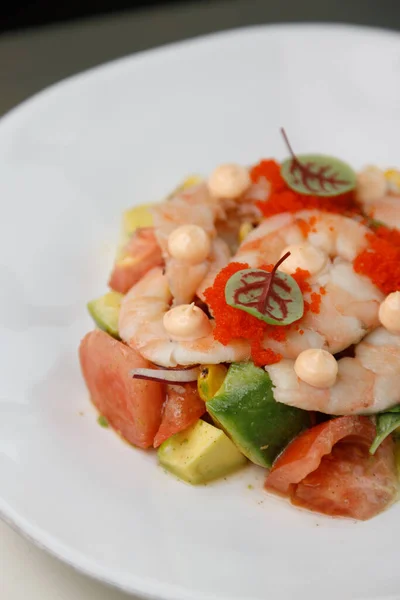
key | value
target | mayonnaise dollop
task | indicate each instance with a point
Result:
(187, 322)
(371, 185)
(303, 256)
(229, 181)
(316, 367)
(189, 244)
(389, 312)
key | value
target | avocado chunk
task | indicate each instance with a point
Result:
(245, 408)
(105, 312)
(200, 454)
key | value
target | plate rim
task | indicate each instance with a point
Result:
(149, 589)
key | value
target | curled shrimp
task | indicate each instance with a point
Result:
(379, 195)
(141, 326)
(221, 220)
(366, 384)
(350, 302)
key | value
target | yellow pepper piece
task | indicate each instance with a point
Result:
(210, 380)
(244, 230)
(393, 178)
(185, 185)
(141, 216)
(138, 216)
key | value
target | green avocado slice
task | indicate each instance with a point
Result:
(105, 312)
(245, 408)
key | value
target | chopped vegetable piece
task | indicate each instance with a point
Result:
(105, 312)
(200, 454)
(210, 379)
(132, 407)
(166, 375)
(386, 423)
(317, 470)
(132, 219)
(102, 421)
(140, 254)
(182, 408)
(245, 408)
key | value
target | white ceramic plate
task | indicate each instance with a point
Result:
(70, 161)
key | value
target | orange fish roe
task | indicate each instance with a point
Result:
(271, 171)
(283, 199)
(381, 260)
(301, 276)
(315, 304)
(390, 235)
(304, 226)
(232, 323)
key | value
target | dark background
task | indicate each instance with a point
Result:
(45, 41)
(17, 14)
(28, 13)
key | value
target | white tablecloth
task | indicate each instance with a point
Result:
(27, 573)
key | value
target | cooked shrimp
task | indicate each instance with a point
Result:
(219, 258)
(219, 218)
(350, 304)
(366, 384)
(386, 210)
(141, 326)
(379, 195)
(187, 281)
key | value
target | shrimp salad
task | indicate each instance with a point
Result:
(254, 316)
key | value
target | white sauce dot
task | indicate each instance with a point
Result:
(229, 181)
(189, 244)
(389, 312)
(316, 367)
(186, 322)
(303, 256)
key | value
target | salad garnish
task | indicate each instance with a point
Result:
(166, 375)
(273, 297)
(316, 174)
(386, 423)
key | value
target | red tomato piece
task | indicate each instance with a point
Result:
(329, 469)
(182, 408)
(133, 407)
(142, 253)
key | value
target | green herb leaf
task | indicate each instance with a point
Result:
(271, 297)
(386, 423)
(317, 174)
(394, 409)
(102, 421)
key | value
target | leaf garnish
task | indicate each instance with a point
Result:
(316, 174)
(273, 297)
(386, 423)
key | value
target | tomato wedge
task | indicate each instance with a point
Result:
(132, 407)
(329, 469)
(142, 253)
(182, 408)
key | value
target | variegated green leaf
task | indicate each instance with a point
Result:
(272, 297)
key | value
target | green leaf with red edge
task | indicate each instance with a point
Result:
(318, 175)
(271, 297)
